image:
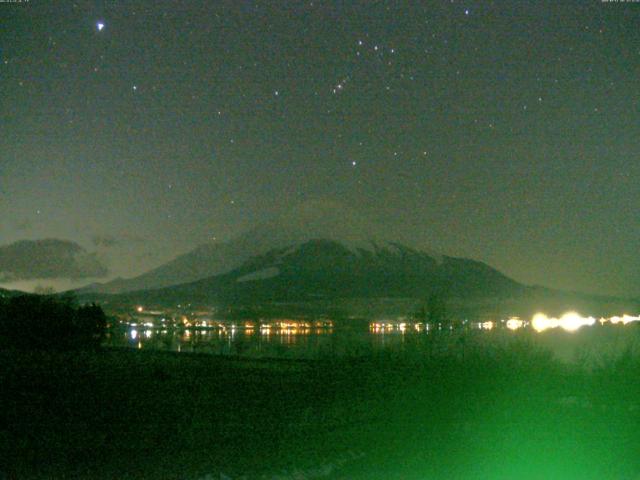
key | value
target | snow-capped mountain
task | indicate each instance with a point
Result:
(326, 269)
(315, 220)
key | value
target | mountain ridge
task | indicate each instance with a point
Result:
(327, 269)
(308, 221)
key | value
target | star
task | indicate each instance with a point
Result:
(100, 26)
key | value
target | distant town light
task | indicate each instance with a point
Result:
(572, 321)
(514, 323)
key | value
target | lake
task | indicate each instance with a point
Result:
(589, 343)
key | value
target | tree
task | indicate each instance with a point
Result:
(90, 324)
(47, 322)
(437, 308)
(42, 290)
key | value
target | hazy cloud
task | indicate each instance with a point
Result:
(49, 258)
(106, 241)
(23, 225)
(121, 240)
(133, 237)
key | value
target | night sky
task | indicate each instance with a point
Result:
(508, 132)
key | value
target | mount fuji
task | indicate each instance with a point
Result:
(319, 250)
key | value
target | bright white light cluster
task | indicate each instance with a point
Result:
(514, 323)
(624, 319)
(570, 322)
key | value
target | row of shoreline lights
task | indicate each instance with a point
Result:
(540, 322)
(572, 321)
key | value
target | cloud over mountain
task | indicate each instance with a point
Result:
(48, 258)
(106, 241)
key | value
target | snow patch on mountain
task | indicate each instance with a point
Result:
(263, 274)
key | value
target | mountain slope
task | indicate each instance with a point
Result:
(4, 293)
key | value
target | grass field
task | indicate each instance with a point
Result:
(497, 413)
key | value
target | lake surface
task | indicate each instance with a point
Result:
(587, 344)
(272, 343)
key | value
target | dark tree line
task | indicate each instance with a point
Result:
(434, 309)
(49, 322)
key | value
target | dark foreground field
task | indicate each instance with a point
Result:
(503, 413)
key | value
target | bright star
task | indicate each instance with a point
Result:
(100, 26)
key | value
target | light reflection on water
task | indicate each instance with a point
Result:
(271, 342)
(262, 342)
(310, 342)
